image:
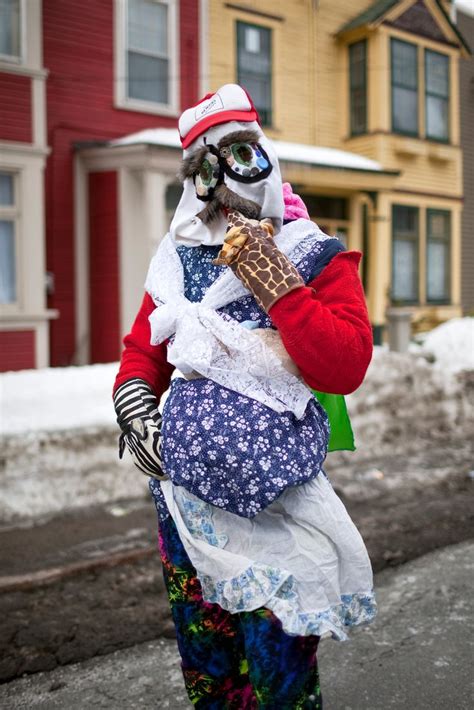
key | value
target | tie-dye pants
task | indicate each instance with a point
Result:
(235, 661)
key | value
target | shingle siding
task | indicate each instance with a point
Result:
(466, 26)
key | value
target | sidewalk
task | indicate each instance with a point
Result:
(415, 656)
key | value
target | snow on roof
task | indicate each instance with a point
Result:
(466, 6)
(168, 137)
(330, 157)
(291, 152)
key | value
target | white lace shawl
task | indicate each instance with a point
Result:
(212, 343)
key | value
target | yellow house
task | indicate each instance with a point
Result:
(362, 100)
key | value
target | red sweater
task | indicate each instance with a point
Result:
(324, 327)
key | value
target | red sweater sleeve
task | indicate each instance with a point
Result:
(325, 327)
(140, 358)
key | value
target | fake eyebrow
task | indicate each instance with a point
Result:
(238, 137)
(192, 163)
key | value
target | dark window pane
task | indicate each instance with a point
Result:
(438, 255)
(7, 262)
(404, 286)
(254, 66)
(437, 118)
(148, 26)
(405, 110)
(325, 207)
(7, 197)
(404, 87)
(10, 28)
(147, 78)
(404, 254)
(404, 64)
(437, 271)
(357, 63)
(358, 84)
(437, 95)
(437, 74)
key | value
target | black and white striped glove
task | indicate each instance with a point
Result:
(140, 421)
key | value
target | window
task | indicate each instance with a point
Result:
(358, 87)
(254, 66)
(146, 55)
(437, 95)
(438, 257)
(404, 87)
(8, 228)
(405, 95)
(147, 51)
(405, 222)
(10, 30)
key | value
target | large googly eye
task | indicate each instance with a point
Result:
(242, 153)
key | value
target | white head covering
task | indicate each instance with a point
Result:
(186, 227)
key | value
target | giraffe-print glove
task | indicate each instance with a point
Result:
(140, 421)
(255, 259)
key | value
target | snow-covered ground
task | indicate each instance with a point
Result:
(59, 436)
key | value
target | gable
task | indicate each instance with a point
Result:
(419, 20)
(426, 18)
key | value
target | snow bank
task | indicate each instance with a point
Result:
(59, 442)
(59, 436)
(55, 399)
(451, 345)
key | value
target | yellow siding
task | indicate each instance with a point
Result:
(310, 85)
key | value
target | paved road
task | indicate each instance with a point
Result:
(88, 582)
(416, 656)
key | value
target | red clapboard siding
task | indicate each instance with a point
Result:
(17, 350)
(15, 108)
(78, 50)
(104, 267)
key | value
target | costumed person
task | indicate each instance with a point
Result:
(255, 307)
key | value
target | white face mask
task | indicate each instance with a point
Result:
(251, 171)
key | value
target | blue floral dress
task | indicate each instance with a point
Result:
(260, 525)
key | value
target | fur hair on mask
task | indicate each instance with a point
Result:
(224, 197)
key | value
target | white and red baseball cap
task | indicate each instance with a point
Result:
(229, 103)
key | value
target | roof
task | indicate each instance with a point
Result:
(465, 6)
(379, 8)
(372, 13)
(290, 152)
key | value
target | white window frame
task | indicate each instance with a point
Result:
(120, 74)
(12, 213)
(21, 57)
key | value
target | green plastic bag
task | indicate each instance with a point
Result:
(342, 436)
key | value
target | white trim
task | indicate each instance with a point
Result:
(14, 321)
(81, 259)
(12, 213)
(42, 345)
(30, 307)
(121, 100)
(204, 66)
(142, 211)
(23, 70)
(25, 149)
(38, 111)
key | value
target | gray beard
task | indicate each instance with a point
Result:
(224, 197)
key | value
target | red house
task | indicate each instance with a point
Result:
(74, 76)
